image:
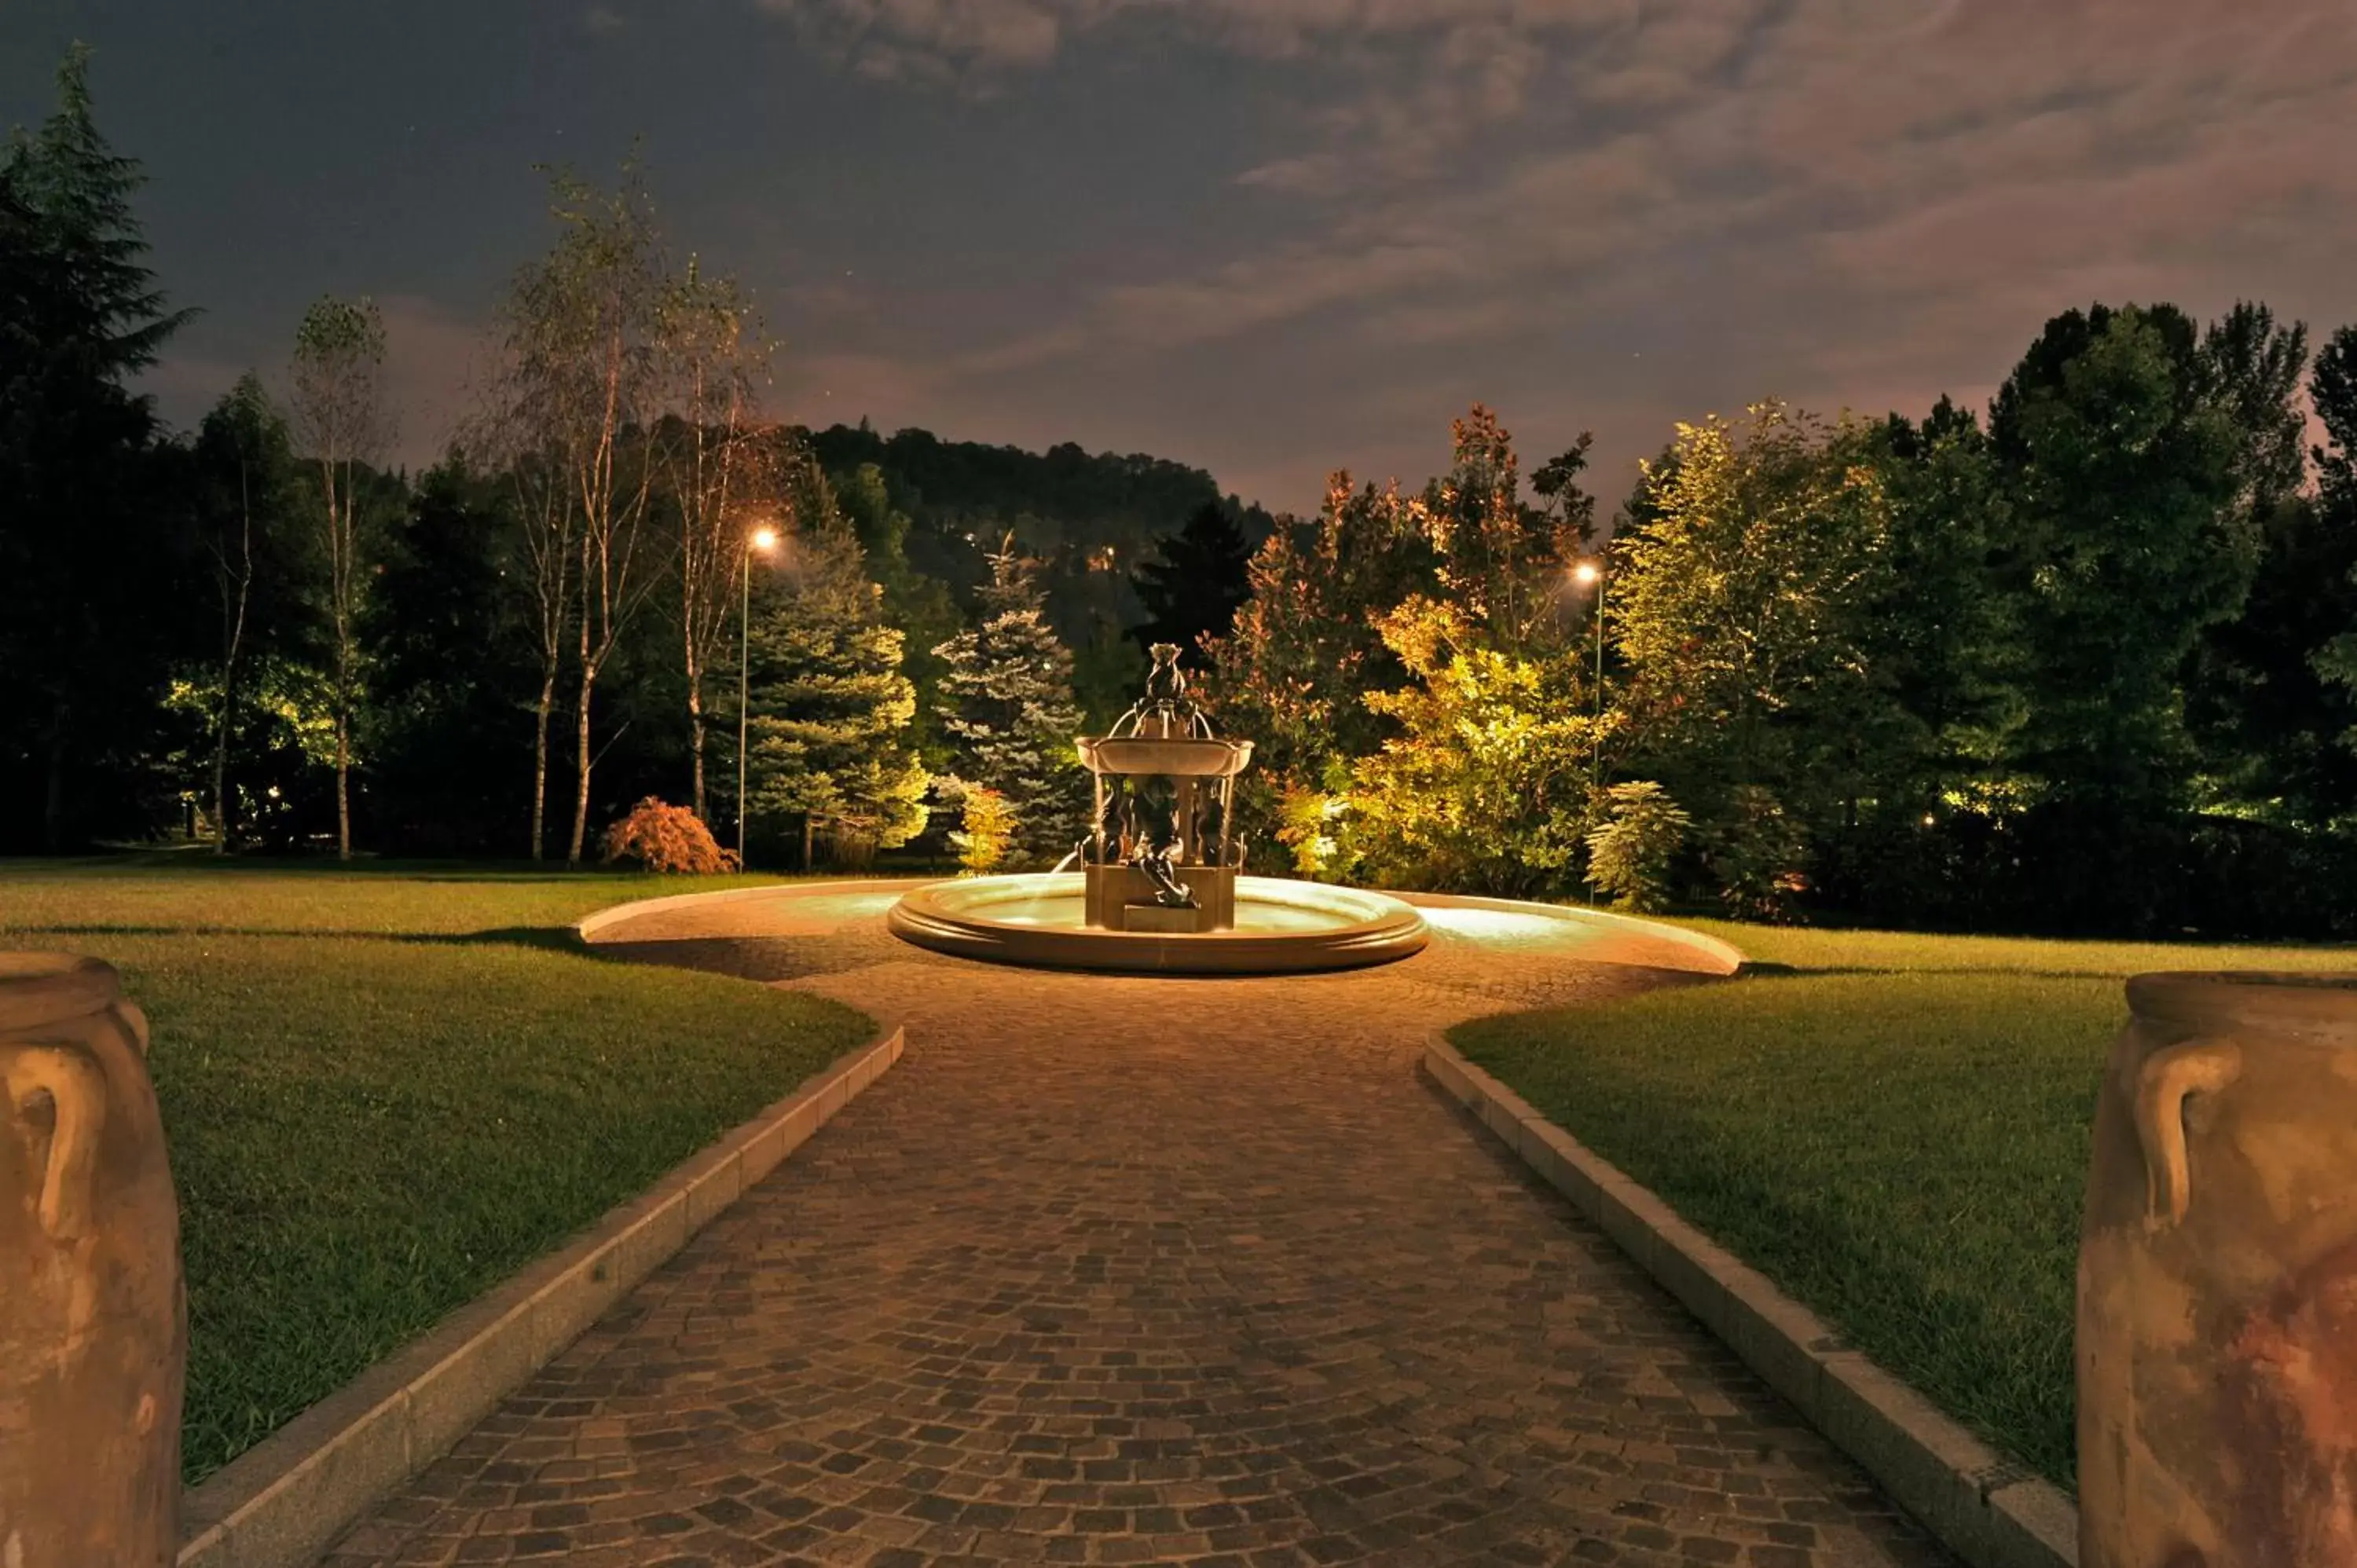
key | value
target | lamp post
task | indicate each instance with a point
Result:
(1590, 573)
(763, 539)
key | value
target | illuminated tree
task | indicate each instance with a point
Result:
(340, 422)
(1007, 708)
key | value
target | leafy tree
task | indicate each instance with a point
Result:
(1939, 629)
(1740, 615)
(2328, 590)
(2263, 719)
(1304, 650)
(1007, 696)
(711, 353)
(450, 665)
(243, 480)
(340, 421)
(89, 555)
(1498, 561)
(1195, 581)
(579, 378)
(1485, 787)
(2121, 479)
(1485, 777)
(828, 704)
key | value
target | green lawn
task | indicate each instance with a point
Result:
(1895, 1128)
(387, 1088)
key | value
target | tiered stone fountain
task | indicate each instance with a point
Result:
(1160, 889)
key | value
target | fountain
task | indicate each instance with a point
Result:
(1160, 888)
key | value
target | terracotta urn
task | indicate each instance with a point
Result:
(2217, 1332)
(93, 1321)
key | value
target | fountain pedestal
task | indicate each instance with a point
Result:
(1120, 898)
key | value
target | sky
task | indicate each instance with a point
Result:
(1269, 238)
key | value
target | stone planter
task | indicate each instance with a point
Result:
(93, 1322)
(2217, 1322)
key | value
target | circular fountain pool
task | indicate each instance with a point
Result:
(1281, 928)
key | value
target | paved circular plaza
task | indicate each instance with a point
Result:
(1131, 1270)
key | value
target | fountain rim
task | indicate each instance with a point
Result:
(949, 916)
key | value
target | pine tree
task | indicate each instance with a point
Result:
(88, 560)
(829, 707)
(1195, 582)
(1007, 696)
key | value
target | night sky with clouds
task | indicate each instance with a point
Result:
(1267, 237)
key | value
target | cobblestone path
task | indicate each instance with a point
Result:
(1128, 1271)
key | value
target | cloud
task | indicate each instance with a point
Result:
(603, 20)
(1644, 202)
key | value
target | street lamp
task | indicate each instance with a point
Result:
(763, 539)
(1590, 573)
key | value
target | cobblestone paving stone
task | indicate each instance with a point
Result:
(1133, 1270)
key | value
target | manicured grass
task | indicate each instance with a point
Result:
(387, 1088)
(1895, 1128)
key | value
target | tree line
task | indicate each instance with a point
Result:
(261, 633)
(2088, 664)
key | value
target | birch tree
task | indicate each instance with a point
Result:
(579, 328)
(340, 420)
(243, 447)
(714, 356)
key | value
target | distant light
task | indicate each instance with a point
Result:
(765, 539)
(1586, 572)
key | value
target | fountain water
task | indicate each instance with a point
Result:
(1160, 888)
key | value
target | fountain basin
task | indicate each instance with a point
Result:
(1169, 757)
(1038, 919)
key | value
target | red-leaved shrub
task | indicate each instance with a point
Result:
(670, 839)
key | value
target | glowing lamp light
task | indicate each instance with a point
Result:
(1586, 573)
(765, 539)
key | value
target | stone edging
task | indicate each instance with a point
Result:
(285, 1500)
(589, 925)
(1723, 958)
(1986, 1510)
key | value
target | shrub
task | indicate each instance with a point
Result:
(988, 832)
(1631, 855)
(668, 839)
(1307, 819)
(1755, 856)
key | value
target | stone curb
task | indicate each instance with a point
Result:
(1986, 1510)
(287, 1500)
(591, 924)
(1719, 958)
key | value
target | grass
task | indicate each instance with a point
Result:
(386, 1089)
(1895, 1128)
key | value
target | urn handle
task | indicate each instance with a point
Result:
(76, 1090)
(2163, 1084)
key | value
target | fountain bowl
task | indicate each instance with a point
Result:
(1038, 920)
(1170, 757)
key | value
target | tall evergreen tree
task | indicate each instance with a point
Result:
(828, 707)
(1193, 583)
(1007, 695)
(88, 559)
